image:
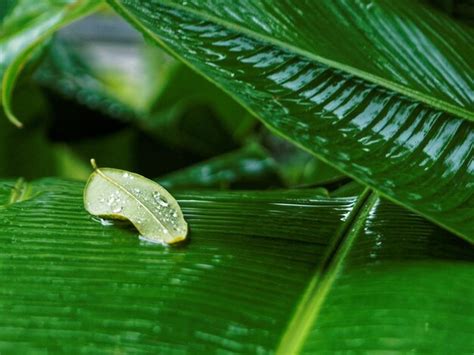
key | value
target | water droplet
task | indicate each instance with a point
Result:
(104, 222)
(117, 209)
(160, 199)
(152, 240)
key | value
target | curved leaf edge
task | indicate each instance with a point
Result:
(377, 80)
(151, 36)
(14, 68)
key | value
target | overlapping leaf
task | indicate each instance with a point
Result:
(252, 260)
(396, 286)
(400, 45)
(387, 121)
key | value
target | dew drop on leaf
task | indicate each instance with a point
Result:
(160, 199)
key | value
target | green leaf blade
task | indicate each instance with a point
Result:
(410, 153)
(398, 45)
(235, 286)
(231, 288)
(399, 262)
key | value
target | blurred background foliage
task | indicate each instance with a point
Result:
(97, 89)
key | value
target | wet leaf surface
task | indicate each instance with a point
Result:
(69, 283)
(417, 153)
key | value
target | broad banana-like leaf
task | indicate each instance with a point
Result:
(381, 90)
(263, 272)
(25, 26)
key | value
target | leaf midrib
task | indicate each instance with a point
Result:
(119, 186)
(125, 12)
(393, 86)
(309, 306)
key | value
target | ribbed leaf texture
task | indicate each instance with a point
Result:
(406, 45)
(363, 273)
(405, 143)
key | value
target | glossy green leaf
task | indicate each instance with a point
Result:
(396, 281)
(119, 194)
(414, 152)
(249, 167)
(398, 45)
(382, 278)
(29, 24)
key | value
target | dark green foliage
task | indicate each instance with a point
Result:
(321, 152)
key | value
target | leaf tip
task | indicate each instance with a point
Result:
(13, 119)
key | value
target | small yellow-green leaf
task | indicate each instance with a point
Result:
(118, 194)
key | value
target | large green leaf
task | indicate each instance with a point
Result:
(262, 272)
(393, 130)
(395, 282)
(399, 45)
(26, 26)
